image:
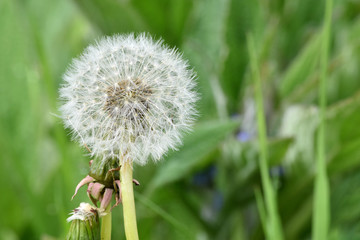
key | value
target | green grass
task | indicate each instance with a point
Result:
(275, 153)
(271, 222)
(321, 215)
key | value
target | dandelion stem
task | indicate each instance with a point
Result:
(106, 225)
(127, 197)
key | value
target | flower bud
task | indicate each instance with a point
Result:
(84, 223)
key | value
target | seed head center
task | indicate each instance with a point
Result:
(128, 95)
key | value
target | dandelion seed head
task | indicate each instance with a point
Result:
(129, 98)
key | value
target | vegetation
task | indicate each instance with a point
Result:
(275, 152)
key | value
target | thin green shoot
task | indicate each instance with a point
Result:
(274, 229)
(321, 215)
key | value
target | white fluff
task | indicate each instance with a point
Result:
(84, 212)
(129, 98)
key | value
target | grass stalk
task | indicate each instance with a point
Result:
(127, 197)
(321, 215)
(106, 225)
(273, 229)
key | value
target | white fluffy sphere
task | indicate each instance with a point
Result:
(129, 98)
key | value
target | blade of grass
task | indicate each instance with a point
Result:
(202, 141)
(274, 231)
(161, 212)
(321, 215)
(261, 206)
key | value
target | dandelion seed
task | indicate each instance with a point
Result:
(129, 98)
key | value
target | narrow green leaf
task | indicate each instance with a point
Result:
(205, 47)
(321, 214)
(277, 149)
(346, 158)
(273, 228)
(243, 16)
(197, 145)
(301, 68)
(161, 212)
(300, 218)
(261, 209)
(113, 16)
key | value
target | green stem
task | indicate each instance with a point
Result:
(273, 228)
(106, 225)
(127, 197)
(321, 209)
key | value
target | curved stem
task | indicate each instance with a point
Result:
(127, 197)
(106, 225)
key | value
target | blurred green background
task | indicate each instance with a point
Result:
(207, 189)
